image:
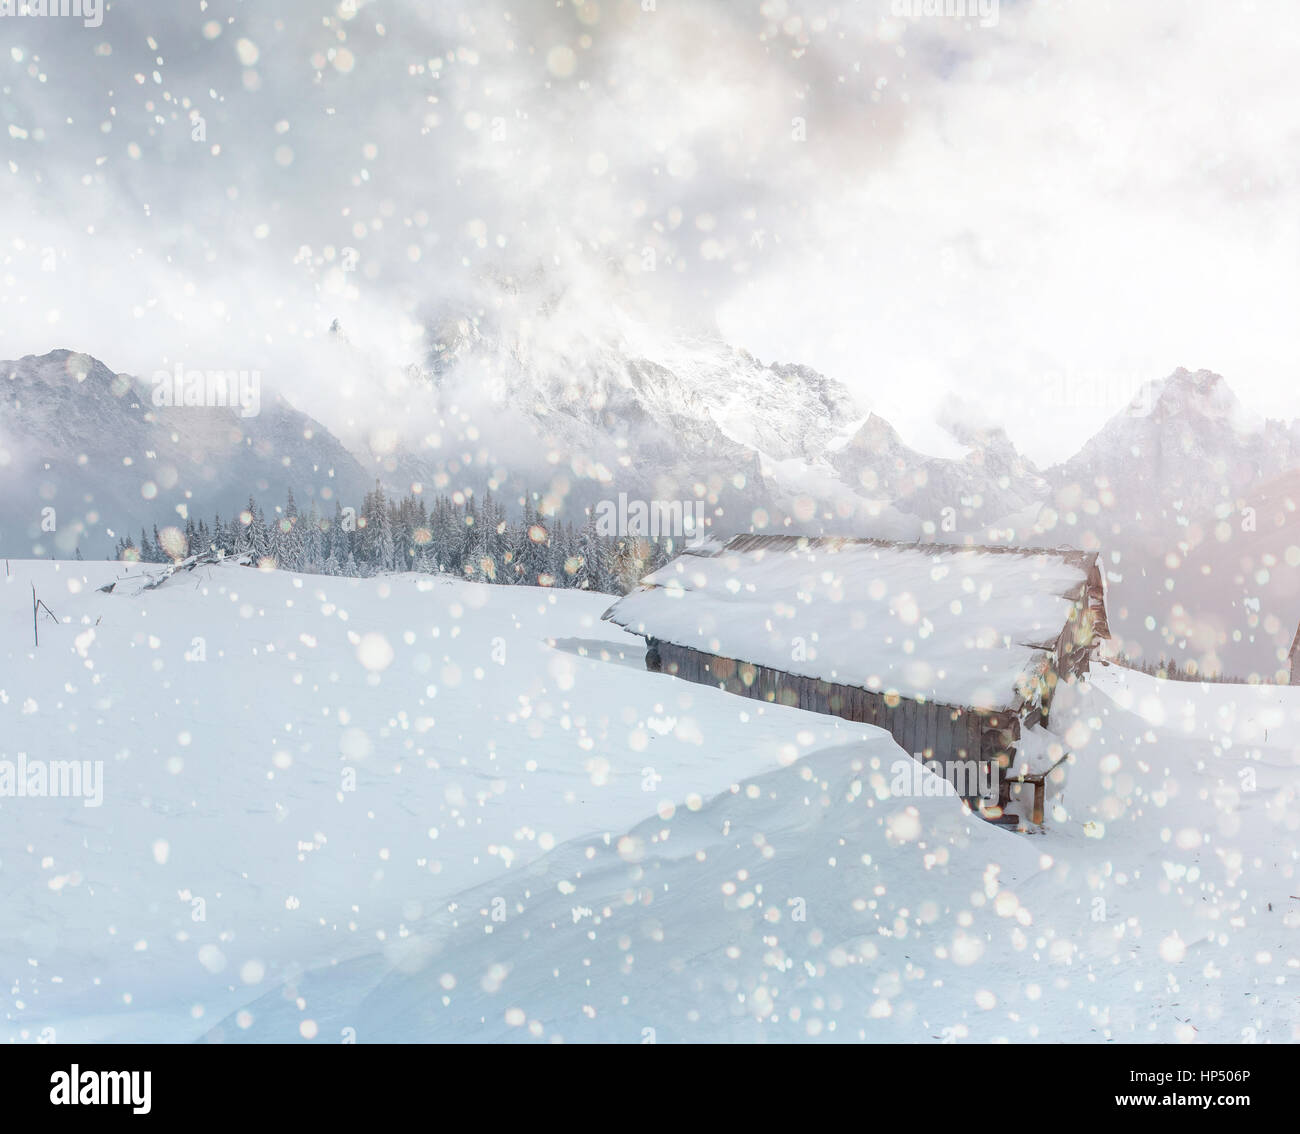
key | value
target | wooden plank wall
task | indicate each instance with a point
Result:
(927, 730)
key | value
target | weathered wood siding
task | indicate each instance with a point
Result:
(925, 729)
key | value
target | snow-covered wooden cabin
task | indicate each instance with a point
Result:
(954, 650)
(1294, 658)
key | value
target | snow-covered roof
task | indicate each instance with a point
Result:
(964, 626)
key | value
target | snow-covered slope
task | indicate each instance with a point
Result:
(319, 764)
(412, 809)
(810, 903)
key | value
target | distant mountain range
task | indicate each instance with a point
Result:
(1191, 499)
(89, 444)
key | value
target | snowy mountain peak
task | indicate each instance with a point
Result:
(877, 435)
(1200, 394)
(66, 370)
(583, 370)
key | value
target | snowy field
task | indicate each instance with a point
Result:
(410, 809)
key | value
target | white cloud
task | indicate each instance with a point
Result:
(1047, 212)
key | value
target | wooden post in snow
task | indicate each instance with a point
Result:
(37, 607)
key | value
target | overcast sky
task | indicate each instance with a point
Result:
(1019, 222)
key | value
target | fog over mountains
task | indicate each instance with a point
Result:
(1190, 497)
